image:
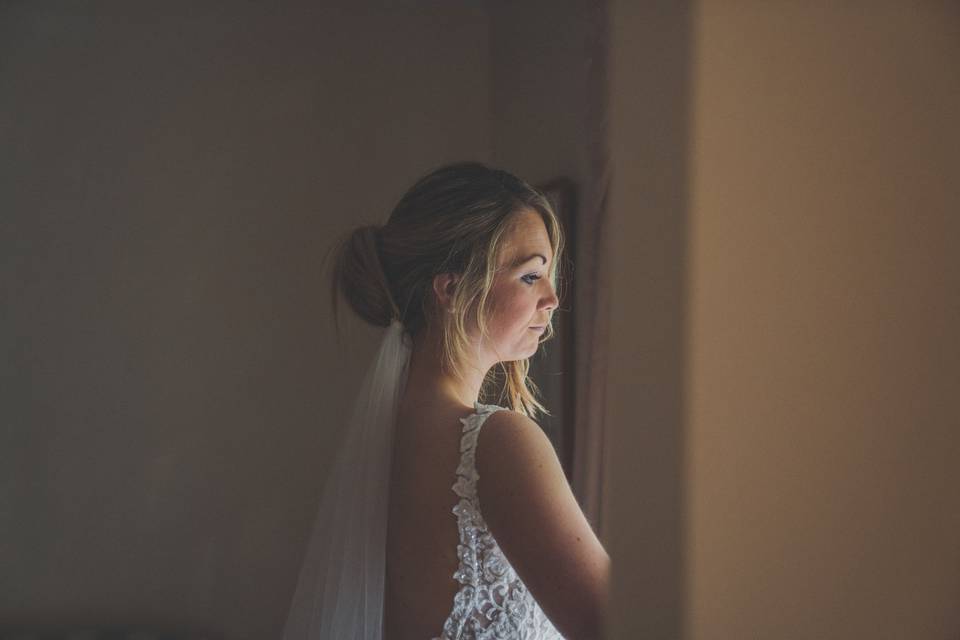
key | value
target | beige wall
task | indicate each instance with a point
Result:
(808, 449)
(169, 182)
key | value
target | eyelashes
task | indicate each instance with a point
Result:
(530, 278)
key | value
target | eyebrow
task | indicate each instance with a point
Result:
(520, 261)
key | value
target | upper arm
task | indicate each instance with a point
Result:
(535, 518)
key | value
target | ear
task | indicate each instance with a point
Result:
(444, 285)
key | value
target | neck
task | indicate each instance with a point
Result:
(428, 383)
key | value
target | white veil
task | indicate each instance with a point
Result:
(340, 591)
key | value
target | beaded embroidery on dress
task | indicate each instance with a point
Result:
(492, 602)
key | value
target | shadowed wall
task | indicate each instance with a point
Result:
(170, 179)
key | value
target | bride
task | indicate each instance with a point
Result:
(446, 518)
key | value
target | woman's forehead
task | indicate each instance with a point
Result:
(525, 237)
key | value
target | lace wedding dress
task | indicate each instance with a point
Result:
(340, 589)
(492, 602)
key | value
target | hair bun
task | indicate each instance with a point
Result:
(359, 277)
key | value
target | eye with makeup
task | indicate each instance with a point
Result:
(530, 278)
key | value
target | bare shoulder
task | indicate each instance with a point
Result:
(518, 468)
(512, 441)
(538, 524)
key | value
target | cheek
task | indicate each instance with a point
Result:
(512, 308)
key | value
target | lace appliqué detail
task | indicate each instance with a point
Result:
(492, 602)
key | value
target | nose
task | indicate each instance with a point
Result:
(550, 301)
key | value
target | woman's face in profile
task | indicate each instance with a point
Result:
(522, 298)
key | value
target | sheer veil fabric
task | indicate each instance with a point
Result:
(340, 590)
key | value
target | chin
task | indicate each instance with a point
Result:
(520, 354)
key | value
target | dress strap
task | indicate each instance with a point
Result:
(467, 476)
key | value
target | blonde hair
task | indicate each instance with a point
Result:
(453, 220)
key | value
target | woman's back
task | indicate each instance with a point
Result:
(422, 532)
(446, 575)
